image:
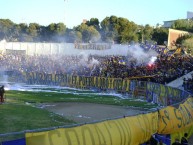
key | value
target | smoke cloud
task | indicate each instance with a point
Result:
(140, 55)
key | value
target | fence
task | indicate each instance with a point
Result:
(151, 92)
(158, 93)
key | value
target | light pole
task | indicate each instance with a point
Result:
(64, 11)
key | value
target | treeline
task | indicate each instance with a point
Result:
(111, 29)
(185, 40)
(183, 24)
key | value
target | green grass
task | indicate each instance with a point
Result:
(88, 97)
(17, 116)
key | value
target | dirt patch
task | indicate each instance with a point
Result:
(88, 112)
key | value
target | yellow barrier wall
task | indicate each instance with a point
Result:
(173, 120)
(179, 135)
(129, 130)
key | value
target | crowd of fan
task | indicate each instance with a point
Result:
(188, 84)
(165, 68)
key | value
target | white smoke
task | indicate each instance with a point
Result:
(86, 61)
(152, 60)
(140, 55)
(3, 41)
(3, 76)
(84, 58)
(94, 62)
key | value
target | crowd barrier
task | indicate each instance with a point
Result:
(175, 117)
(129, 130)
(151, 92)
(133, 130)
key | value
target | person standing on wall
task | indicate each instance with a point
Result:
(2, 92)
(184, 140)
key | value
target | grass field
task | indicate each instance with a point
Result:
(20, 110)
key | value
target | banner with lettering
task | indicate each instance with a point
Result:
(179, 135)
(172, 120)
(129, 130)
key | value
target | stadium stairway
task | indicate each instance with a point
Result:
(179, 81)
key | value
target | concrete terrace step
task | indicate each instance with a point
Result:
(179, 81)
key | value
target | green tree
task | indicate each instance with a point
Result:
(6, 27)
(127, 31)
(16, 32)
(34, 31)
(56, 32)
(160, 35)
(188, 43)
(78, 36)
(70, 36)
(119, 30)
(108, 25)
(60, 29)
(147, 32)
(183, 24)
(182, 38)
(88, 33)
(50, 31)
(60, 32)
(44, 34)
(22, 28)
(94, 22)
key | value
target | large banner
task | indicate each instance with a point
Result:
(173, 120)
(179, 135)
(82, 82)
(129, 130)
(158, 93)
(15, 52)
(165, 95)
(93, 46)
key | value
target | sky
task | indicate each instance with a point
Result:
(72, 12)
